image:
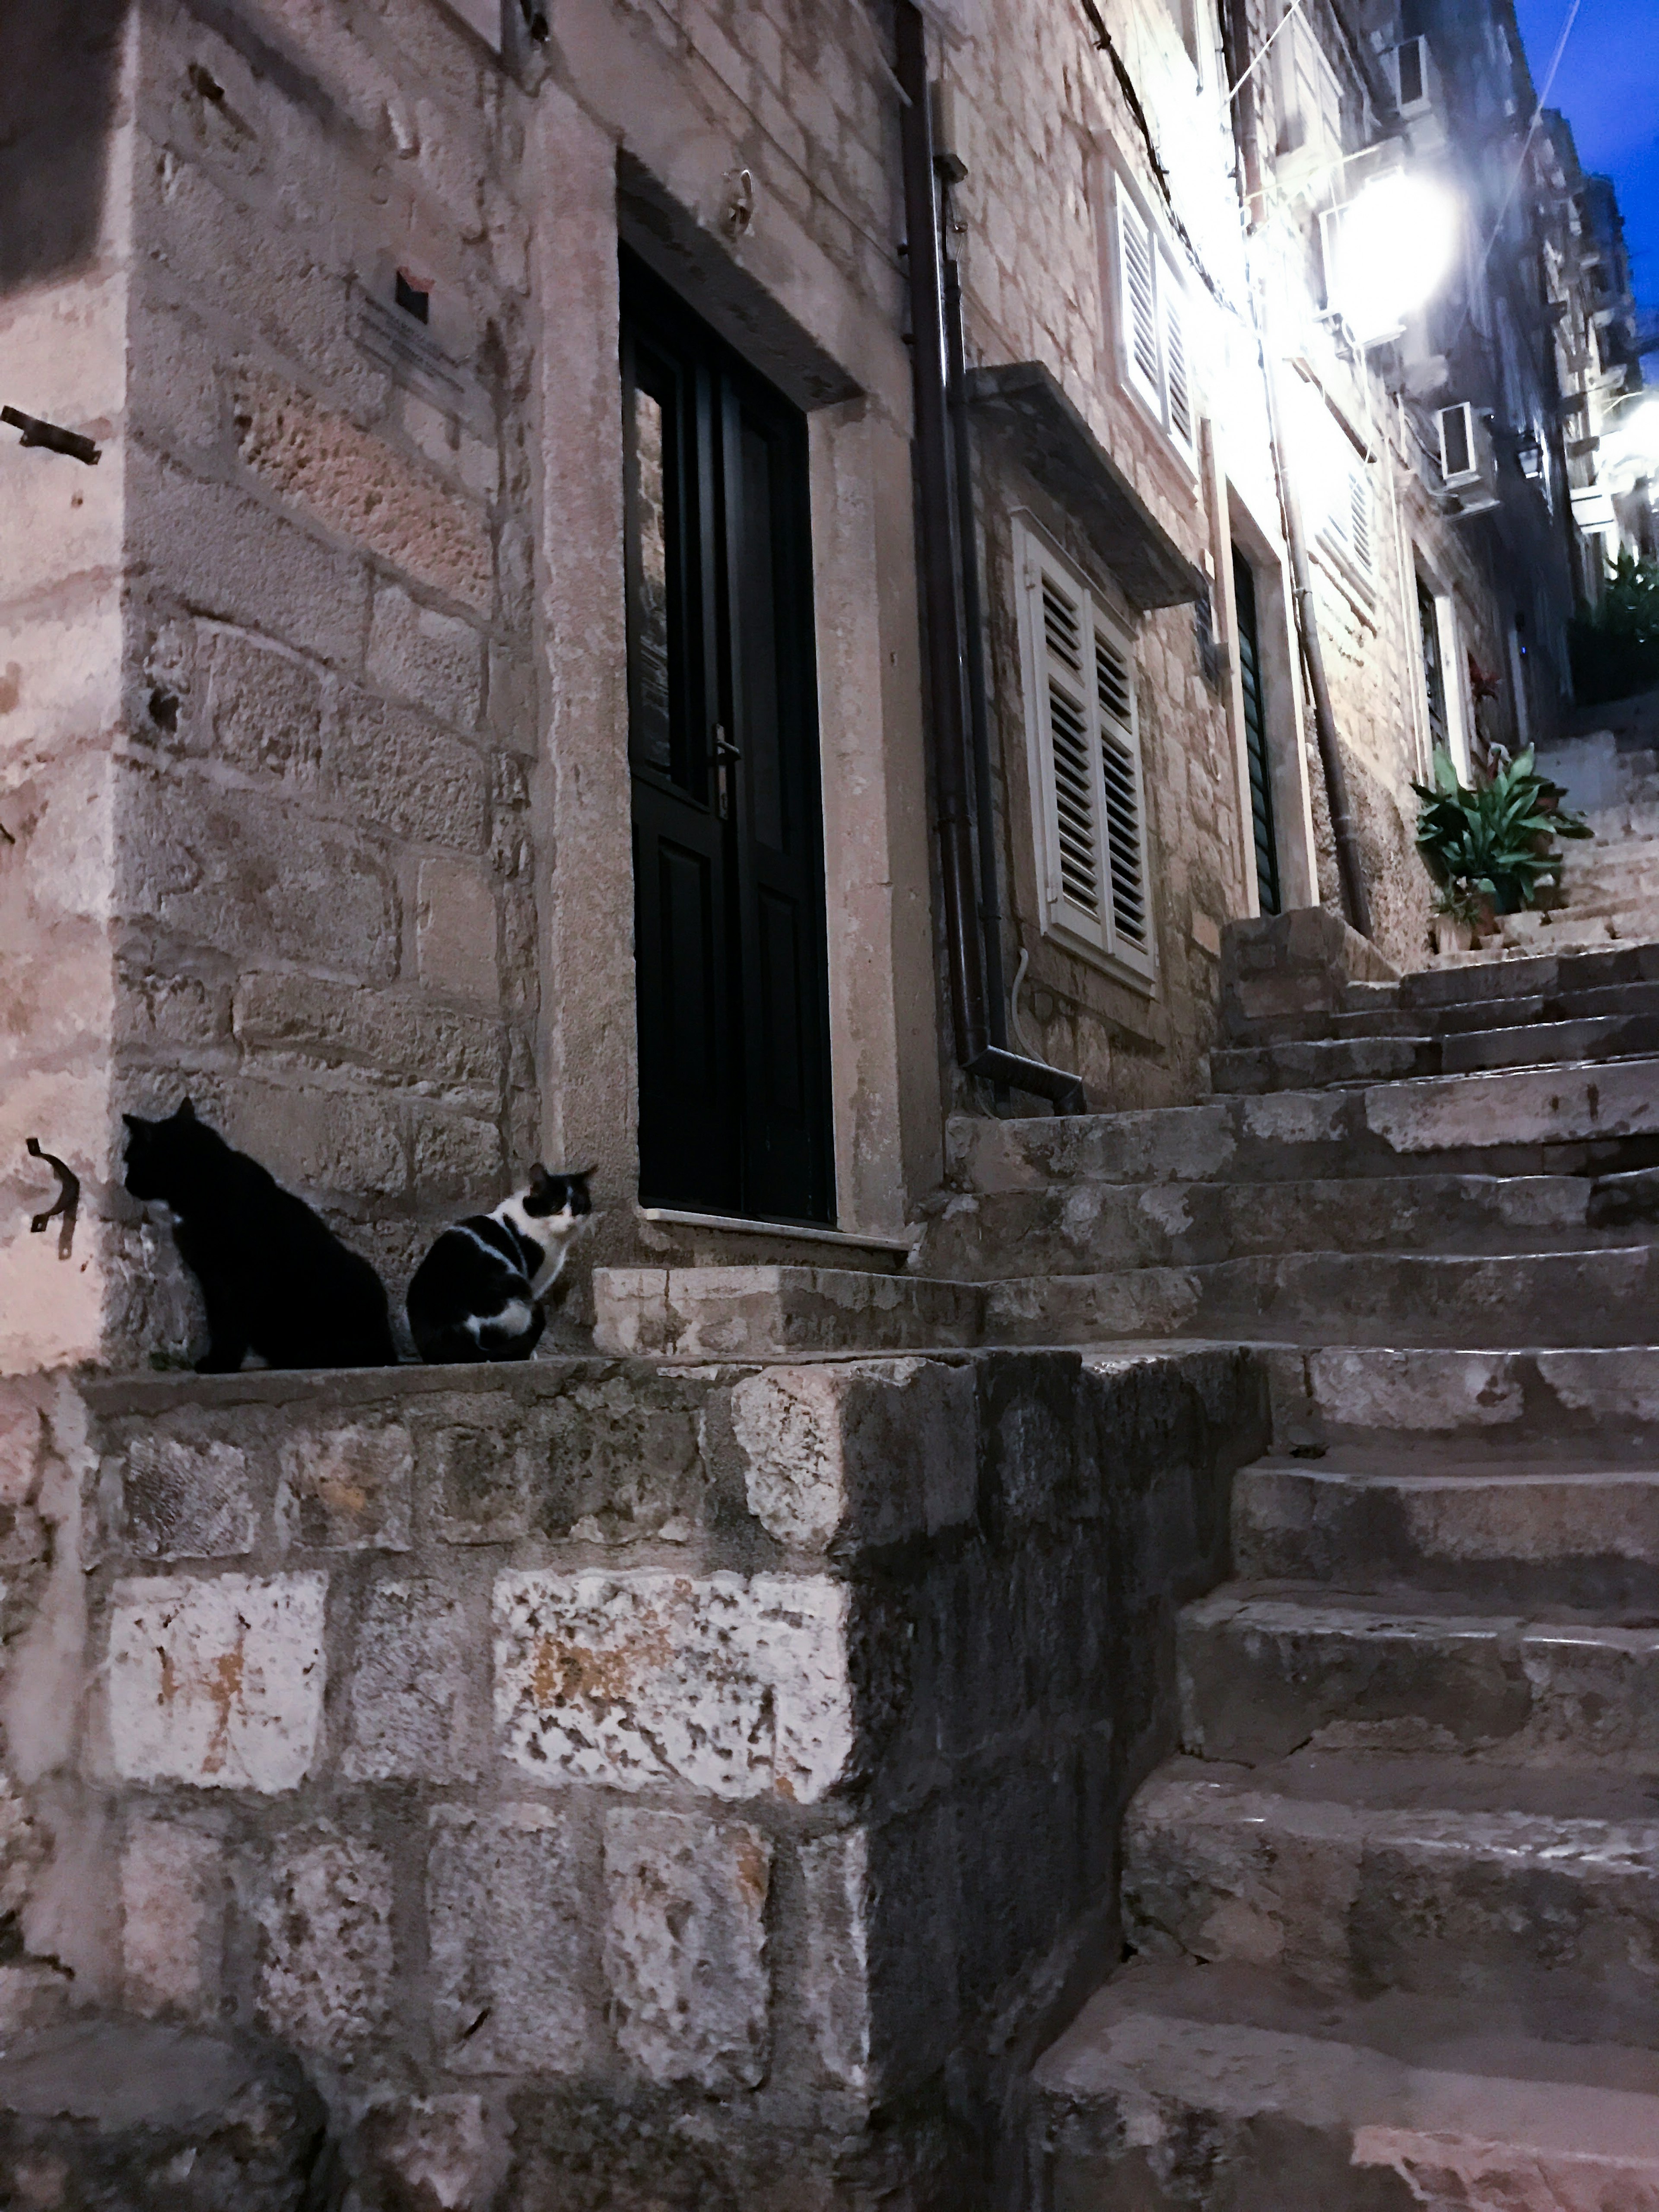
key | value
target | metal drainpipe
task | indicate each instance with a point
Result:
(1349, 872)
(939, 549)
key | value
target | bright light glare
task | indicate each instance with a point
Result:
(1396, 242)
(1630, 445)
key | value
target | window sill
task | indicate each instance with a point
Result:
(738, 1224)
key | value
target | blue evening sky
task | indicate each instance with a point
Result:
(1608, 90)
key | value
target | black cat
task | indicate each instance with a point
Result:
(276, 1280)
(479, 1293)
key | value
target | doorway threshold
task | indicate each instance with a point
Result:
(740, 1224)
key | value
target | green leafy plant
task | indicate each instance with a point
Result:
(1494, 839)
(1615, 651)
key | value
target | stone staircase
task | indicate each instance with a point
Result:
(1471, 1153)
(1609, 888)
(1393, 1908)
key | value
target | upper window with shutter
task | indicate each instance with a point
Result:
(1088, 798)
(1153, 346)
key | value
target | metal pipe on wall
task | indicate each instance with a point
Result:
(939, 553)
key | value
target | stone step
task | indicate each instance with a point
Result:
(1542, 972)
(763, 1312)
(1522, 1535)
(1290, 1066)
(1230, 2088)
(1527, 1121)
(1265, 1670)
(1439, 1877)
(1089, 1228)
(1607, 1296)
(1388, 1018)
(1440, 1410)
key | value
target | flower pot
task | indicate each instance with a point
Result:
(1452, 935)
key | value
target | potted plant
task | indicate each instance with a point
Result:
(1490, 847)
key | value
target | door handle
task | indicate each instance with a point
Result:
(724, 752)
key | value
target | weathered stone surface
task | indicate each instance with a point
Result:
(130, 2119)
(736, 1684)
(415, 1714)
(357, 485)
(267, 710)
(388, 765)
(173, 1907)
(347, 1489)
(433, 660)
(479, 1485)
(325, 1951)
(757, 1312)
(187, 1501)
(685, 1946)
(836, 1969)
(621, 1464)
(457, 932)
(431, 1048)
(217, 1682)
(870, 1452)
(510, 1938)
(430, 2154)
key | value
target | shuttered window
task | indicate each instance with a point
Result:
(1154, 341)
(1084, 749)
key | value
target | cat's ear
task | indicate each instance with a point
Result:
(581, 1175)
(186, 1111)
(135, 1122)
(538, 1176)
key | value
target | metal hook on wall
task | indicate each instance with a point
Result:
(64, 1204)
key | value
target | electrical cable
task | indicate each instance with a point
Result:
(1521, 165)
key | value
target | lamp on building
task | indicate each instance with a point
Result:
(1388, 251)
(1530, 454)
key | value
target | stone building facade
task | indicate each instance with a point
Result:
(486, 701)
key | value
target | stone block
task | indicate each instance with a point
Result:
(429, 2155)
(187, 1501)
(172, 1906)
(432, 1048)
(347, 1489)
(456, 1157)
(685, 1947)
(326, 1961)
(509, 1940)
(313, 1139)
(266, 711)
(738, 1686)
(389, 765)
(237, 871)
(230, 558)
(868, 1452)
(835, 1972)
(413, 1716)
(217, 1681)
(624, 1461)
(356, 484)
(457, 932)
(479, 1485)
(431, 660)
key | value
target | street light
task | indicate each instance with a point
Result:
(1387, 251)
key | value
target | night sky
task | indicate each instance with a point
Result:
(1608, 90)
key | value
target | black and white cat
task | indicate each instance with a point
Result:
(276, 1279)
(479, 1292)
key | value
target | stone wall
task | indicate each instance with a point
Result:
(619, 1784)
(326, 923)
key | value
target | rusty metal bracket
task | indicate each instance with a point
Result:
(52, 435)
(64, 1204)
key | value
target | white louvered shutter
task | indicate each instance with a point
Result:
(1084, 750)
(1141, 347)
(1359, 516)
(1074, 859)
(1177, 374)
(1124, 807)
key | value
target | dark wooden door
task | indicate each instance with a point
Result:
(728, 862)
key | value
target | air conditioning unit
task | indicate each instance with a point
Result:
(1468, 464)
